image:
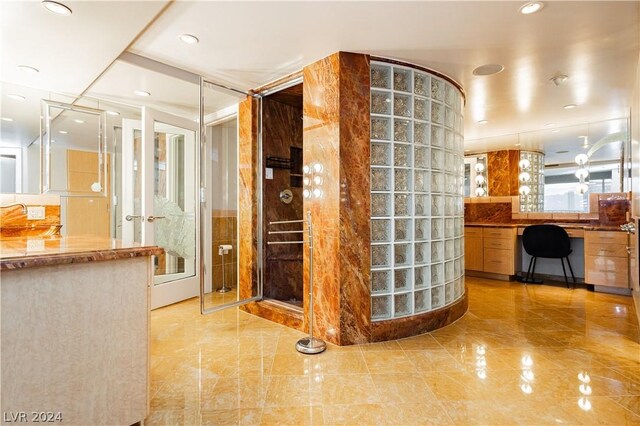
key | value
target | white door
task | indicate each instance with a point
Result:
(160, 205)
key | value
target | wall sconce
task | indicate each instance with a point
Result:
(312, 180)
(481, 181)
(582, 173)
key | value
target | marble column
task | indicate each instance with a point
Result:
(502, 173)
(336, 135)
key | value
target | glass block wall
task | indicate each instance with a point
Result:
(417, 184)
(533, 166)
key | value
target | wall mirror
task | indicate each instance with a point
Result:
(20, 145)
(73, 150)
(602, 145)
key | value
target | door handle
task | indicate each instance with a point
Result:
(152, 218)
(130, 217)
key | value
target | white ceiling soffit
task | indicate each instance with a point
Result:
(596, 44)
(70, 51)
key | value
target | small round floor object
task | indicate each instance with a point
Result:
(310, 345)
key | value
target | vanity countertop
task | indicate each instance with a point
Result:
(583, 226)
(21, 252)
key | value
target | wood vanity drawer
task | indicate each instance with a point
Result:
(607, 271)
(605, 237)
(498, 232)
(498, 261)
(471, 231)
(606, 250)
(499, 243)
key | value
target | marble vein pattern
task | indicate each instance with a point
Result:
(336, 135)
(14, 223)
(502, 172)
(21, 252)
(526, 355)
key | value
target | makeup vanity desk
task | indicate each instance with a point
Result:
(600, 254)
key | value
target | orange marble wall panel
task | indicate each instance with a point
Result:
(248, 196)
(321, 134)
(355, 205)
(336, 135)
(502, 172)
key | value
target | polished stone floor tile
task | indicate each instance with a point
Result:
(528, 355)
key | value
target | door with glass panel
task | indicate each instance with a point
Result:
(220, 167)
(160, 203)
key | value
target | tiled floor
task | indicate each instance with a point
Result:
(521, 355)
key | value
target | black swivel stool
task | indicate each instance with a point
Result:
(550, 241)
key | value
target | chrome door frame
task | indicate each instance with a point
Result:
(205, 194)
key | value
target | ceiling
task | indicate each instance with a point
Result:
(248, 44)
(596, 44)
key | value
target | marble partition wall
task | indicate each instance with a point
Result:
(248, 119)
(336, 135)
(502, 172)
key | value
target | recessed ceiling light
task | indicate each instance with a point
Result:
(16, 97)
(28, 69)
(7, 119)
(63, 132)
(531, 7)
(141, 93)
(549, 124)
(189, 39)
(555, 131)
(488, 69)
(483, 121)
(77, 120)
(57, 8)
(569, 106)
(113, 113)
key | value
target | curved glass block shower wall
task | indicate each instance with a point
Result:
(417, 178)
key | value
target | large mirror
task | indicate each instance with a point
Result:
(602, 148)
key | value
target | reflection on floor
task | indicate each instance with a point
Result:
(521, 355)
(216, 299)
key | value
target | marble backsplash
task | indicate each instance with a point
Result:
(612, 210)
(14, 223)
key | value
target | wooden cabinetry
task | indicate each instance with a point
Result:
(473, 249)
(606, 260)
(491, 250)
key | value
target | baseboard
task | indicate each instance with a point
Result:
(612, 290)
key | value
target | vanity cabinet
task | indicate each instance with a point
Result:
(473, 249)
(491, 250)
(499, 250)
(606, 258)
